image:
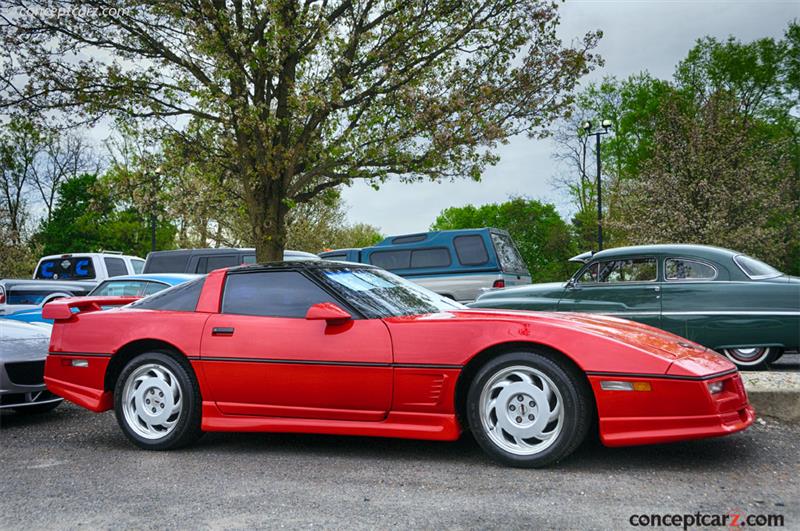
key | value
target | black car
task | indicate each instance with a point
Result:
(201, 261)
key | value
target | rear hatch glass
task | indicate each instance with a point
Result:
(68, 268)
(510, 259)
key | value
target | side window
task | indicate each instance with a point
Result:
(115, 267)
(180, 298)
(391, 259)
(249, 259)
(335, 257)
(589, 275)
(430, 258)
(507, 253)
(154, 287)
(167, 262)
(681, 269)
(218, 262)
(271, 294)
(137, 265)
(630, 270)
(470, 250)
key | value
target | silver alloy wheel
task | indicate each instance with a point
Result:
(151, 401)
(521, 410)
(747, 356)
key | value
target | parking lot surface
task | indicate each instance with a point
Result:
(788, 362)
(74, 469)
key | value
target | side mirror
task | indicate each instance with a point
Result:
(328, 311)
(571, 283)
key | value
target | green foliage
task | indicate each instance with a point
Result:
(303, 97)
(16, 260)
(729, 186)
(86, 219)
(712, 156)
(542, 237)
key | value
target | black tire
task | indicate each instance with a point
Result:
(576, 401)
(758, 361)
(37, 409)
(187, 428)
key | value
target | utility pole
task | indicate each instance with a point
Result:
(587, 128)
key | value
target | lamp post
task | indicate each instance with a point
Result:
(153, 204)
(587, 128)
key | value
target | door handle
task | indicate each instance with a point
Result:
(222, 331)
(657, 288)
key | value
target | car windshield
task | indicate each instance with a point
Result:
(755, 268)
(377, 293)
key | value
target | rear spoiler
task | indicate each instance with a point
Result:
(63, 309)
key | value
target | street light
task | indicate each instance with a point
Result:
(156, 177)
(587, 129)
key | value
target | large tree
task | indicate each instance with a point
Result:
(304, 95)
(664, 141)
(714, 178)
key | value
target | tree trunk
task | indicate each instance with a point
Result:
(268, 219)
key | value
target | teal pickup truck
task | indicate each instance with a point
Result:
(725, 300)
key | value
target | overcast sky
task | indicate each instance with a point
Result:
(639, 35)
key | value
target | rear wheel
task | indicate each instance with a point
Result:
(157, 402)
(752, 358)
(528, 410)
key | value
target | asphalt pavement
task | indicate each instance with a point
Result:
(788, 362)
(74, 469)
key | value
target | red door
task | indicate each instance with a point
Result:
(290, 366)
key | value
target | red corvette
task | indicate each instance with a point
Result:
(326, 347)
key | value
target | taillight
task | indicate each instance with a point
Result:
(499, 283)
(2, 295)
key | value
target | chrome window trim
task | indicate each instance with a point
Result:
(626, 282)
(688, 259)
(748, 275)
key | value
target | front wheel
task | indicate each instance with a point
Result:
(528, 410)
(157, 401)
(752, 358)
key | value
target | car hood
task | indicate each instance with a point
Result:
(546, 290)
(686, 357)
(11, 330)
(23, 341)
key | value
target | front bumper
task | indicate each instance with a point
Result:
(674, 409)
(22, 384)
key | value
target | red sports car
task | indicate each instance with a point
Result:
(327, 347)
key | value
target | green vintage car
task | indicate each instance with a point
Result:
(727, 301)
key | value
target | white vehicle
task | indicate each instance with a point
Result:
(87, 266)
(23, 349)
